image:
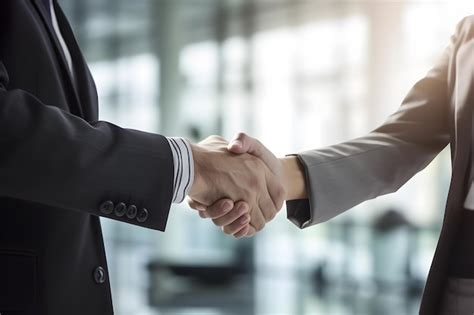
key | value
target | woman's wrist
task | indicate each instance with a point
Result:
(293, 178)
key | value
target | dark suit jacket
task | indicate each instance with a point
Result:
(60, 169)
(436, 112)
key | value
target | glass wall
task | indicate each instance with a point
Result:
(297, 75)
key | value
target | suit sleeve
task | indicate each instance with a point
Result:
(341, 176)
(52, 157)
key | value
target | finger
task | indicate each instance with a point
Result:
(267, 208)
(251, 232)
(257, 220)
(201, 209)
(220, 208)
(204, 214)
(193, 204)
(237, 225)
(240, 209)
(243, 143)
(275, 190)
(243, 232)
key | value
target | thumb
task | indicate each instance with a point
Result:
(238, 145)
(243, 143)
(193, 204)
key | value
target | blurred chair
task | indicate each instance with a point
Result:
(226, 287)
(392, 249)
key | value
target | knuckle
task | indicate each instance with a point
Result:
(280, 195)
(241, 135)
(269, 215)
(209, 138)
(215, 138)
(259, 226)
(272, 214)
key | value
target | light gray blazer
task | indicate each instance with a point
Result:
(436, 112)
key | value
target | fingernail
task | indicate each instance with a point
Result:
(237, 143)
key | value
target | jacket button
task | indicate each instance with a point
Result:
(120, 209)
(132, 211)
(99, 275)
(107, 207)
(142, 215)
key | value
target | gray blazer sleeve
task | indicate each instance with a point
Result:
(341, 176)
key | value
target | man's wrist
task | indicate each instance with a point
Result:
(198, 178)
(183, 161)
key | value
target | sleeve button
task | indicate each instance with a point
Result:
(142, 215)
(120, 209)
(132, 211)
(99, 275)
(107, 207)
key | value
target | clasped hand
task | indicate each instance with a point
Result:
(238, 185)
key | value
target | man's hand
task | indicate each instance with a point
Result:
(234, 219)
(224, 213)
(221, 174)
(288, 169)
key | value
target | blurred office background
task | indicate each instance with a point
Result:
(297, 75)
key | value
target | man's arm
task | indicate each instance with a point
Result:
(52, 157)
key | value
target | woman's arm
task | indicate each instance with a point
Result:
(322, 183)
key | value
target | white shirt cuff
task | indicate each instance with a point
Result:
(183, 168)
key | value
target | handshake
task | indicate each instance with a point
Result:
(241, 185)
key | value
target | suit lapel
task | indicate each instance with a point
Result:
(83, 78)
(60, 54)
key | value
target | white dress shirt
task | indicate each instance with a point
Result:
(54, 21)
(180, 148)
(183, 168)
